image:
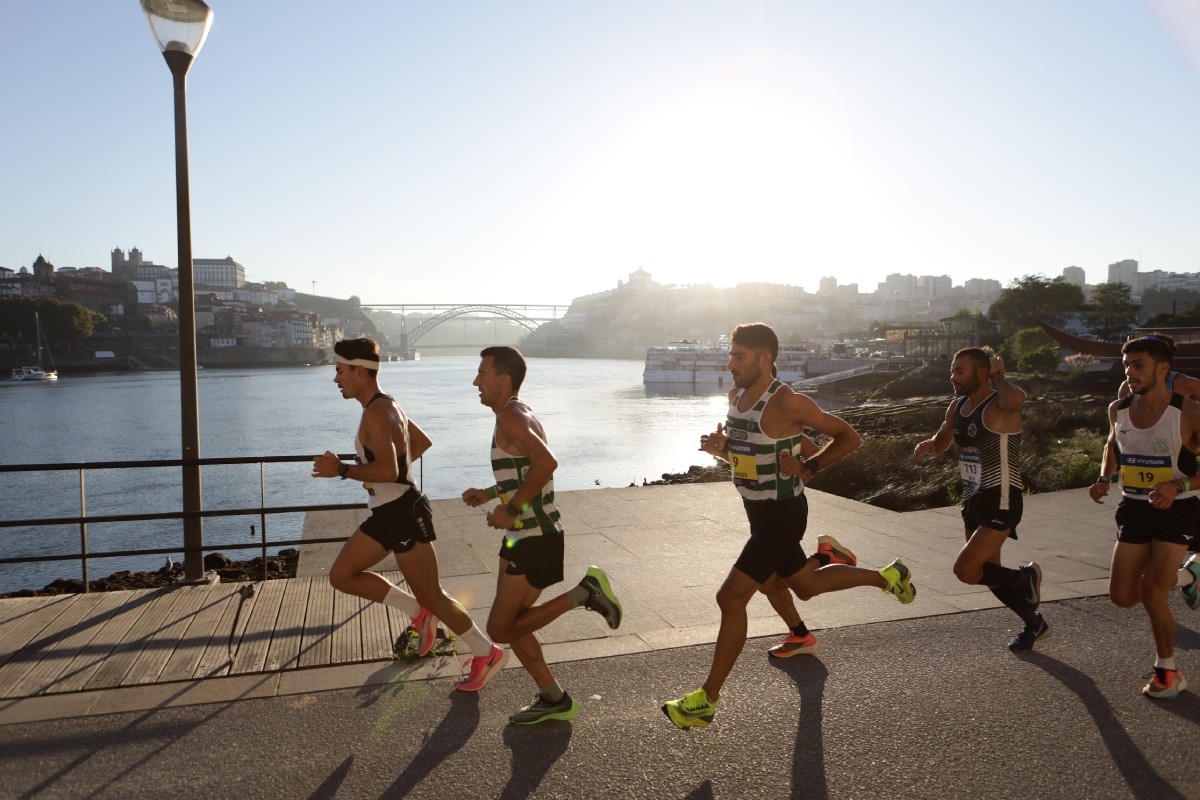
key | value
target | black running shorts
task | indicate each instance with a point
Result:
(982, 510)
(539, 558)
(776, 528)
(401, 523)
(1138, 522)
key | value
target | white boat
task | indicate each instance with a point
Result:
(691, 363)
(38, 373)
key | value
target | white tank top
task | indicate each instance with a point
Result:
(1149, 456)
(380, 493)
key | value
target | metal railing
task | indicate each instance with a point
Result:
(83, 519)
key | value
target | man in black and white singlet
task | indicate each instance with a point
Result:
(762, 434)
(1151, 451)
(531, 549)
(985, 423)
(401, 519)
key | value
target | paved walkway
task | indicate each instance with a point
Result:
(666, 548)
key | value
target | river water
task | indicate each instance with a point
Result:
(604, 426)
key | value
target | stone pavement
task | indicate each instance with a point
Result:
(666, 549)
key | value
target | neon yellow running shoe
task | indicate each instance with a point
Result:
(693, 710)
(899, 581)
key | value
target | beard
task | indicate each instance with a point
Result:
(747, 378)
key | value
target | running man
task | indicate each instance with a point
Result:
(531, 550)
(765, 423)
(1153, 437)
(401, 519)
(985, 423)
(1189, 387)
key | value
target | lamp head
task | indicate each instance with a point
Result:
(179, 26)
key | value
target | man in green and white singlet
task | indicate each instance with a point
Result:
(531, 550)
(762, 435)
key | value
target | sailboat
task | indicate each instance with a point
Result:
(38, 373)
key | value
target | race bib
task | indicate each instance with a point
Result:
(969, 465)
(1140, 474)
(742, 461)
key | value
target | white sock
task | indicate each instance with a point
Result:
(475, 639)
(398, 598)
(1165, 663)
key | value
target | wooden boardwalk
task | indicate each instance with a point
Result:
(666, 549)
(102, 640)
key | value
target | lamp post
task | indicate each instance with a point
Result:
(179, 28)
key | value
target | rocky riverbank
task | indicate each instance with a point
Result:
(282, 565)
(1062, 443)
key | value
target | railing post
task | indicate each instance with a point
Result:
(262, 515)
(83, 542)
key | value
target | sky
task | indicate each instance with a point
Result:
(533, 152)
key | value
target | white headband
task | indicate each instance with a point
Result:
(357, 362)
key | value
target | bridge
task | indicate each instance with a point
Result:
(528, 316)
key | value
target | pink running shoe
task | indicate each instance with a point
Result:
(482, 669)
(425, 625)
(837, 552)
(795, 645)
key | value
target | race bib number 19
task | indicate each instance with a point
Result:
(742, 461)
(1140, 474)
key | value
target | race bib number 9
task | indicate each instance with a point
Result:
(1140, 474)
(969, 464)
(742, 461)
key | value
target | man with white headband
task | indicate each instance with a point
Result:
(401, 519)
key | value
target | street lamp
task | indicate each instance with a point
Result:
(180, 28)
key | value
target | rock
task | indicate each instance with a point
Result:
(217, 561)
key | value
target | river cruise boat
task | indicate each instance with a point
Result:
(703, 366)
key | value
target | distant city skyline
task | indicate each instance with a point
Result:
(540, 152)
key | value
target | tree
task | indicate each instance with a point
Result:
(1183, 319)
(60, 321)
(1112, 310)
(1034, 299)
(1029, 340)
(1040, 360)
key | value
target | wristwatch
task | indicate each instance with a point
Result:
(512, 510)
(812, 465)
(1107, 479)
(343, 468)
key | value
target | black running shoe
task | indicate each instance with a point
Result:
(601, 598)
(1023, 643)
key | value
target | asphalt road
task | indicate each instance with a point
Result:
(929, 708)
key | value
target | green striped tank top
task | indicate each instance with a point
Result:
(754, 456)
(541, 515)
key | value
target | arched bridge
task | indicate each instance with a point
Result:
(527, 316)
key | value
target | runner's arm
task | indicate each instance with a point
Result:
(843, 439)
(418, 440)
(524, 440)
(1108, 462)
(1009, 396)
